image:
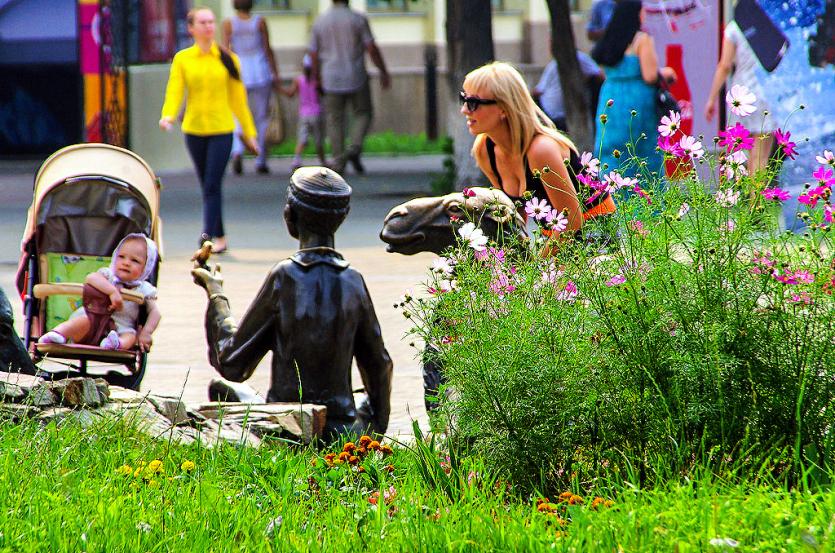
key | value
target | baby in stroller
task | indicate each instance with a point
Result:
(131, 266)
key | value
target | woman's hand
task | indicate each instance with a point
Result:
(668, 74)
(116, 301)
(710, 109)
(166, 123)
(251, 145)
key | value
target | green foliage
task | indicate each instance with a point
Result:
(386, 142)
(705, 332)
(106, 487)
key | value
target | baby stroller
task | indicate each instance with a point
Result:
(86, 198)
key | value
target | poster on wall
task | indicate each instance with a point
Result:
(803, 74)
(105, 113)
(687, 38)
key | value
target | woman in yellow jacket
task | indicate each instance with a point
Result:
(208, 76)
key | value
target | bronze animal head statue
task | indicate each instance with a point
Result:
(426, 224)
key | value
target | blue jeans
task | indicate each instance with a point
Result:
(210, 155)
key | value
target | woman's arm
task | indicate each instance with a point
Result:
(173, 95)
(726, 65)
(649, 60)
(227, 34)
(265, 42)
(543, 152)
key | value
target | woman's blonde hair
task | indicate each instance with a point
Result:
(526, 120)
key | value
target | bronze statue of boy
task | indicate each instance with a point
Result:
(313, 312)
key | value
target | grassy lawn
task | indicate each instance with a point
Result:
(109, 488)
(387, 143)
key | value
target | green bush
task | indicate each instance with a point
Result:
(386, 142)
(705, 334)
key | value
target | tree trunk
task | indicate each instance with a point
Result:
(572, 81)
(469, 34)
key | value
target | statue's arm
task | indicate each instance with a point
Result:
(374, 363)
(236, 349)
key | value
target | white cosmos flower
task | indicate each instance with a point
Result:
(442, 266)
(741, 100)
(826, 159)
(669, 124)
(692, 146)
(590, 163)
(474, 236)
(727, 198)
(682, 211)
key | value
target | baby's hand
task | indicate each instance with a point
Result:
(145, 340)
(116, 300)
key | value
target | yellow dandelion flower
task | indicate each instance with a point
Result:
(124, 470)
(187, 466)
(155, 466)
(138, 472)
(153, 483)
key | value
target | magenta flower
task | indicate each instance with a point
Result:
(776, 194)
(670, 147)
(556, 220)
(616, 280)
(569, 292)
(468, 193)
(802, 297)
(827, 213)
(811, 197)
(537, 209)
(785, 278)
(804, 277)
(786, 145)
(642, 193)
(824, 176)
(502, 285)
(736, 138)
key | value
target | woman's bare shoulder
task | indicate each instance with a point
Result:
(546, 148)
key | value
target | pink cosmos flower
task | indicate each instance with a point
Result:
(727, 198)
(741, 100)
(776, 194)
(733, 165)
(668, 146)
(669, 124)
(827, 213)
(616, 280)
(811, 197)
(804, 277)
(537, 209)
(762, 263)
(784, 278)
(802, 297)
(502, 285)
(591, 164)
(637, 227)
(682, 211)
(691, 146)
(642, 193)
(551, 274)
(468, 193)
(556, 220)
(444, 286)
(828, 158)
(736, 138)
(727, 227)
(786, 145)
(824, 176)
(569, 292)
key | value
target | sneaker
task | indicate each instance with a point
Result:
(111, 341)
(52, 337)
(237, 165)
(263, 170)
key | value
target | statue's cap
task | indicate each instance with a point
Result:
(320, 187)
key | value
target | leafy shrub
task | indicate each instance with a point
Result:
(705, 334)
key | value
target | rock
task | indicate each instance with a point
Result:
(56, 414)
(75, 392)
(300, 422)
(17, 412)
(11, 392)
(124, 395)
(13, 355)
(25, 381)
(40, 396)
(171, 408)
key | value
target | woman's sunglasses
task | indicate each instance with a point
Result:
(473, 102)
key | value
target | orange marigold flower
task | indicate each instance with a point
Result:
(362, 452)
(374, 497)
(597, 502)
(353, 460)
(386, 450)
(361, 469)
(565, 496)
(330, 456)
(365, 440)
(389, 468)
(349, 447)
(575, 500)
(542, 500)
(374, 445)
(344, 456)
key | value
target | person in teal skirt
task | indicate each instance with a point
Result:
(627, 56)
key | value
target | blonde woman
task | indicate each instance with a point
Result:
(515, 139)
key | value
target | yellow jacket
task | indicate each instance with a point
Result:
(212, 95)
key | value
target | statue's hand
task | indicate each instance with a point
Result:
(211, 281)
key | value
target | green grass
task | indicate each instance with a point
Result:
(387, 142)
(61, 490)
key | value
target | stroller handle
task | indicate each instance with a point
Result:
(71, 289)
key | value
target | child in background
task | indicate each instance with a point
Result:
(132, 263)
(310, 112)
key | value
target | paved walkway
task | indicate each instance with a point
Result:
(257, 238)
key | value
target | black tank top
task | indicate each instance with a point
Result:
(534, 184)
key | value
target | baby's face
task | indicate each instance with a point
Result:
(130, 261)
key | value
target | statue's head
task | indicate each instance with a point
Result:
(318, 200)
